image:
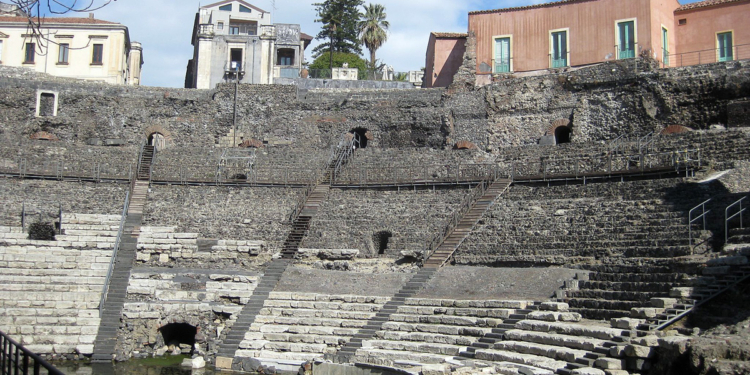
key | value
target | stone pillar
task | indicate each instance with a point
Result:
(203, 68)
(135, 63)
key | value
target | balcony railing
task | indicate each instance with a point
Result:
(706, 56)
(206, 29)
(502, 65)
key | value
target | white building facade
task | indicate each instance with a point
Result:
(82, 48)
(236, 41)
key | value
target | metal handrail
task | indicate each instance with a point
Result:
(646, 141)
(691, 219)
(727, 217)
(123, 217)
(16, 359)
(464, 207)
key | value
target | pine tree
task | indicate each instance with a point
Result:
(340, 19)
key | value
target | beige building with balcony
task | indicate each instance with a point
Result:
(236, 41)
(82, 48)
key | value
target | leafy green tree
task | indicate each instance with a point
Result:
(323, 62)
(373, 30)
(340, 19)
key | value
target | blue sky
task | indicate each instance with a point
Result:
(164, 28)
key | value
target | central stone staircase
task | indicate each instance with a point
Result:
(375, 324)
(111, 310)
(247, 316)
(301, 223)
(451, 242)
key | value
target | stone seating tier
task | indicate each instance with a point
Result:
(306, 326)
(50, 290)
(160, 246)
(428, 330)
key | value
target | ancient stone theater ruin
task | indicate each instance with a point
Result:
(583, 221)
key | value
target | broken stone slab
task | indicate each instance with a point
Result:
(587, 371)
(625, 323)
(525, 370)
(644, 312)
(554, 306)
(646, 341)
(609, 364)
(412, 254)
(329, 254)
(640, 351)
(682, 292)
(675, 343)
(435, 370)
(552, 316)
(196, 362)
(663, 303)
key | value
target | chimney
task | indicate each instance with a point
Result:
(91, 16)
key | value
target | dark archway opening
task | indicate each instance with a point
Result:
(381, 240)
(360, 136)
(157, 140)
(562, 135)
(179, 333)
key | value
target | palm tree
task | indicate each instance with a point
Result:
(372, 29)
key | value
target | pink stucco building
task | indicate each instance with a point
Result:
(573, 33)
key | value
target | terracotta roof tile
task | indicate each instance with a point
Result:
(533, 6)
(69, 20)
(707, 3)
(449, 35)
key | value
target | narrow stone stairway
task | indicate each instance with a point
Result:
(415, 284)
(302, 223)
(147, 158)
(267, 283)
(111, 311)
(450, 244)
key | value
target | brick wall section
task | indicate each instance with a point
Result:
(348, 219)
(223, 212)
(84, 197)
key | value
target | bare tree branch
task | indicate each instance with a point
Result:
(36, 12)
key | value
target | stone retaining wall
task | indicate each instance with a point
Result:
(45, 197)
(351, 219)
(215, 212)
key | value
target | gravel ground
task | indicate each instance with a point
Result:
(305, 280)
(460, 282)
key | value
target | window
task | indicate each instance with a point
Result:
(559, 49)
(1, 50)
(234, 30)
(502, 61)
(244, 9)
(220, 26)
(62, 56)
(30, 53)
(724, 46)
(226, 8)
(47, 104)
(665, 45)
(285, 57)
(96, 58)
(626, 39)
(682, 21)
(235, 58)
